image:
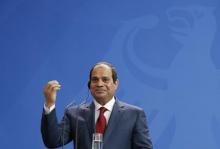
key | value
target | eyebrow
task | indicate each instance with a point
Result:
(100, 77)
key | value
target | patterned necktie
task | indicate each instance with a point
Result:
(101, 122)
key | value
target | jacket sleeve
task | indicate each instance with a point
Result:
(141, 137)
(55, 134)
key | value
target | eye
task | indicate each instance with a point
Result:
(94, 79)
(105, 79)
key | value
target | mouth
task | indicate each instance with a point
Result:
(100, 91)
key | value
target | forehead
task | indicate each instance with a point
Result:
(102, 70)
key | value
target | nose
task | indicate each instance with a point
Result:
(99, 83)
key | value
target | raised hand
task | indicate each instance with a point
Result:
(50, 92)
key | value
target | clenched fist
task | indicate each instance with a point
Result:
(50, 92)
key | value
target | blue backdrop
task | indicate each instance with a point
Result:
(167, 54)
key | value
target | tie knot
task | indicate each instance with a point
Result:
(102, 110)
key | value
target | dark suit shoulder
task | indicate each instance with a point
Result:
(129, 106)
(77, 108)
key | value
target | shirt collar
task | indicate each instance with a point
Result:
(109, 105)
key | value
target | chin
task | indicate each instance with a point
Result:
(100, 97)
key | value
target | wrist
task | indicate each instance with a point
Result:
(49, 104)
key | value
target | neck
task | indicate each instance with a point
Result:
(103, 101)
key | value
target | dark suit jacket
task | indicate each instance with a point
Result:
(126, 129)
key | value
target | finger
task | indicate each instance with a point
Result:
(53, 87)
(49, 88)
(53, 82)
(56, 89)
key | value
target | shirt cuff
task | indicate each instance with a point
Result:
(48, 110)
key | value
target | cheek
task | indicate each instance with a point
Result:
(111, 88)
(92, 88)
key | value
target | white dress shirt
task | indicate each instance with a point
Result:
(109, 106)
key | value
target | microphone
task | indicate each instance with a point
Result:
(73, 103)
(77, 119)
(77, 123)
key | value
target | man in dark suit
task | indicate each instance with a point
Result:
(123, 126)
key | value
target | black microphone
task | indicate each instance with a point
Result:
(77, 123)
(73, 103)
(77, 119)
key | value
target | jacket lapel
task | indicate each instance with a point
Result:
(114, 119)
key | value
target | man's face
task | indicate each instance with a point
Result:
(102, 86)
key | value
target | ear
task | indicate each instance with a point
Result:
(88, 84)
(116, 84)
